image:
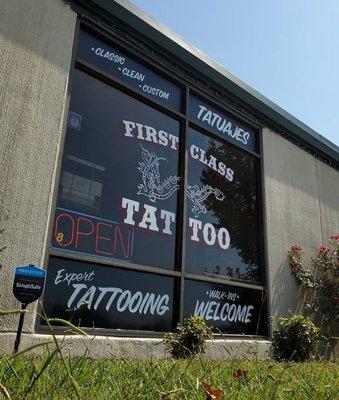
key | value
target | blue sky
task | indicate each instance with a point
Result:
(286, 49)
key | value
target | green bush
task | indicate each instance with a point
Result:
(295, 339)
(190, 338)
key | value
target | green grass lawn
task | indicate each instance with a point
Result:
(166, 379)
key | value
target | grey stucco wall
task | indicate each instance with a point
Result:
(302, 207)
(36, 39)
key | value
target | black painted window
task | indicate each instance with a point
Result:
(119, 178)
(222, 234)
(127, 69)
(130, 250)
(95, 296)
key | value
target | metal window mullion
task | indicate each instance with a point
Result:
(227, 108)
(102, 76)
(182, 238)
(112, 262)
(139, 52)
(224, 281)
(263, 236)
(203, 130)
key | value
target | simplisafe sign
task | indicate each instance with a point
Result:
(28, 286)
(29, 282)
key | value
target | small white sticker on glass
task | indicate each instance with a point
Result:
(74, 121)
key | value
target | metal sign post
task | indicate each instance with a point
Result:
(28, 286)
(21, 322)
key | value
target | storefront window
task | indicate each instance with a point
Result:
(130, 249)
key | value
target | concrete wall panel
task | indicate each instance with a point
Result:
(328, 188)
(36, 39)
(292, 215)
(135, 348)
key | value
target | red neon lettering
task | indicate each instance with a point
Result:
(97, 238)
(57, 231)
(83, 233)
(126, 252)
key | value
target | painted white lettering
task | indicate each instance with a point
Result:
(224, 238)
(174, 141)
(200, 308)
(58, 278)
(232, 312)
(77, 289)
(209, 313)
(224, 311)
(207, 117)
(209, 234)
(115, 291)
(133, 308)
(87, 298)
(151, 134)
(129, 126)
(140, 134)
(149, 220)
(248, 314)
(168, 217)
(240, 314)
(102, 291)
(162, 306)
(201, 111)
(194, 151)
(124, 297)
(163, 138)
(131, 207)
(196, 225)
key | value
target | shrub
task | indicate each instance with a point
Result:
(295, 338)
(190, 338)
(321, 283)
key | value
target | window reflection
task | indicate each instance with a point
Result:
(222, 233)
(80, 185)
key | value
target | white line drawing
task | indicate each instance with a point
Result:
(151, 185)
(198, 195)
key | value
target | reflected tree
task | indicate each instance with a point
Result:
(238, 212)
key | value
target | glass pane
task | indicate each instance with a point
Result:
(118, 188)
(95, 296)
(229, 309)
(222, 207)
(222, 124)
(128, 70)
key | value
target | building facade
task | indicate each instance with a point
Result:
(150, 183)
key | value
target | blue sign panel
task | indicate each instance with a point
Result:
(30, 270)
(229, 309)
(128, 70)
(96, 296)
(222, 124)
(29, 282)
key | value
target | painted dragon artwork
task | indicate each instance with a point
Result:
(199, 194)
(151, 185)
(154, 189)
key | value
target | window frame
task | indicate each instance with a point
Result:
(189, 87)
